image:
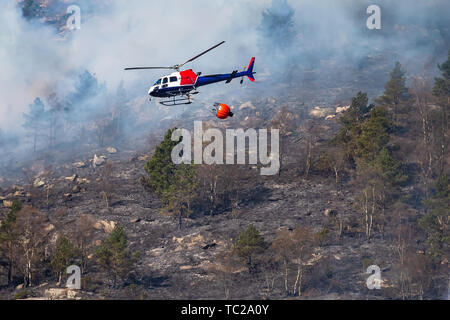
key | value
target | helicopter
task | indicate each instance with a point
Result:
(178, 87)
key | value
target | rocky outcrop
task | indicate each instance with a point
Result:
(98, 161)
(38, 183)
(111, 150)
(60, 294)
(106, 226)
(321, 112)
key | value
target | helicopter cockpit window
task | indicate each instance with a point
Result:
(157, 82)
(173, 79)
(165, 80)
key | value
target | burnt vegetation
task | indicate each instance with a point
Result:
(362, 181)
(367, 186)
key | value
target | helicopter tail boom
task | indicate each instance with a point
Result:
(250, 70)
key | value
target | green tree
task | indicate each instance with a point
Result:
(365, 135)
(248, 244)
(441, 90)
(179, 195)
(175, 185)
(114, 257)
(8, 237)
(30, 8)
(160, 168)
(35, 120)
(373, 136)
(436, 221)
(396, 97)
(64, 255)
(351, 124)
(390, 169)
(358, 107)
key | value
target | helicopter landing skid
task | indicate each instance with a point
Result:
(176, 102)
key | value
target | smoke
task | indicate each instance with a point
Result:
(36, 61)
(287, 38)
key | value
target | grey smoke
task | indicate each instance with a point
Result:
(36, 61)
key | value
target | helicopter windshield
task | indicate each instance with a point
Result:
(157, 82)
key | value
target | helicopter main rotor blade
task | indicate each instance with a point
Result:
(199, 55)
(147, 68)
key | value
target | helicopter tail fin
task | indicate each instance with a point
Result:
(250, 70)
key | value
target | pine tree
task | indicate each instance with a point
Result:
(35, 120)
(64, 255)
(160, 168)
(351, 124)
(396, 97)
(88, 96)
(248, 244)
(374, 135)
(175, 185)
(121, 114)
(436, 221)
(114, 257)
(30, 8)
(358, 108)
(179, 196)
(277, 26)
(8, 237)
(441, 90)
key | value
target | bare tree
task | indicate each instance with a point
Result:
(30, 234)
(83, 236)
(311, 132)
(303, 245)
(294, 248)
(422, 95)
(227, 265)
(287, 122)
(107, 183)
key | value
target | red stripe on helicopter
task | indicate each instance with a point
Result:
(188, 77)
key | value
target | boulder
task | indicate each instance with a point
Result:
(145, 157)
(56, 293)
(111, 150)
(80, 164)
(321, 112)
(38, 183)
(72, 294)
(49, 228)
(83, 180)
(342, 109)
(17, 188)
(7, 203)
(71, 178)
(60, 293)
(19, 194)
(99, 161)
(247, 105)
(106, 226)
